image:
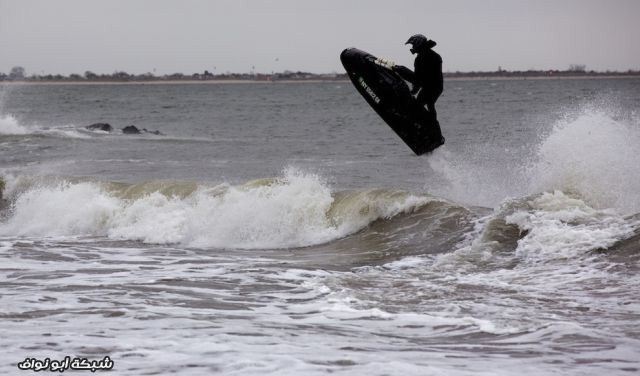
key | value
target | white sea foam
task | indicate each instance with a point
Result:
(297, 209)
(59, 210)
(559, 226)
(5, 245)
(9, 125)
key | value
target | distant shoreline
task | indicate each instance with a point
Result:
(240, 82)
(302, 81)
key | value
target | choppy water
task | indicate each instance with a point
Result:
(284, 229)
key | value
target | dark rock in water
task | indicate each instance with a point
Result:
(157, 133)
(100, 127)
(131, 129)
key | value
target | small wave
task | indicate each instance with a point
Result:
(560, 226)
(549, 227)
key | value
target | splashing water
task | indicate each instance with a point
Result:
(594, 156)
(9, 125)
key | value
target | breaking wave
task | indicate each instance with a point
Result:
(294, 210)
(299, 210)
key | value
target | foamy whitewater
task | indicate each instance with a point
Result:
(10, 126)
(284, 229)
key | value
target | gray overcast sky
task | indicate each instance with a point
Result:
(72, 36)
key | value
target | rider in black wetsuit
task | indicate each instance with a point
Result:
(427, 79)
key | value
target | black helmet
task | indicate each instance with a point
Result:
(419, 42)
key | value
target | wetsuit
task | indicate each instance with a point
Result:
(428, 79)
(427, 83)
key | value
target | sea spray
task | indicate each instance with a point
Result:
(478, 176)
(9, 125)
(592, 155)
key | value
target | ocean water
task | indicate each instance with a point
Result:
(284, 229)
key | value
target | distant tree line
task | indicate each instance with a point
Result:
(575, 70)
(19, 74)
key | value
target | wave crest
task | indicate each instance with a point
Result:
(297, 209)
